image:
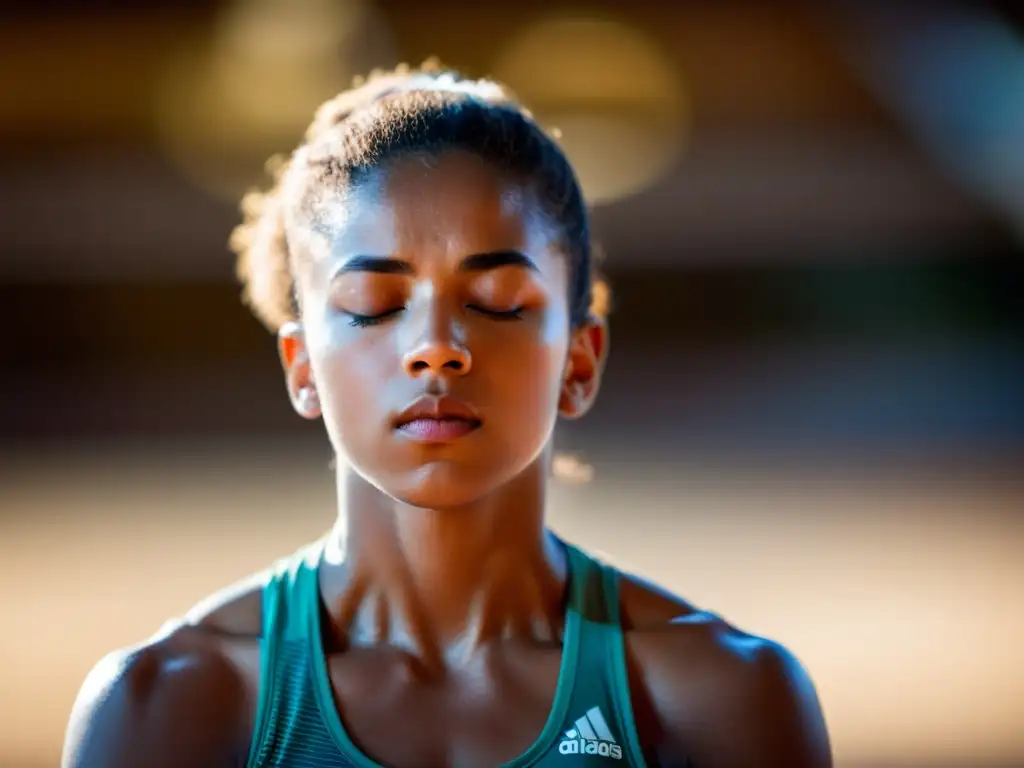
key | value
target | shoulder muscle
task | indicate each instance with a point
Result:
(721, 697)
(175, 701)
(728, 698)
(769, 711)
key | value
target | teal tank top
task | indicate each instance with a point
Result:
(298, 726)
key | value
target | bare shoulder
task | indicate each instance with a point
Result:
(184, 697)
(717, 695)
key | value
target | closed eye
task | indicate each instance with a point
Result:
(361, 321)
(495, 314)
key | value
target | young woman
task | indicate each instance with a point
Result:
(424, 258)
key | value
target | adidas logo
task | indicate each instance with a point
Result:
(591, 736)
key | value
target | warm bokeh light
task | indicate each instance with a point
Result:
(252, 89)
(616, 100)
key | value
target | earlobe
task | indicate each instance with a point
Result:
(307, 403)
(298, 373)
(572, 402)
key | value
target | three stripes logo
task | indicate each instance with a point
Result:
(591, 736)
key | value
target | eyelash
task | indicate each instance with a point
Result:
(511, 314)
(362, 321)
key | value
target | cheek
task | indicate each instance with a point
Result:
(527, 368)
(555, 350)
(352, 370)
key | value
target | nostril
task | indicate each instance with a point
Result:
(418, 366)
(438, 358)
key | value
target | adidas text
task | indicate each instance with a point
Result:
(591, 736)
(590, 747)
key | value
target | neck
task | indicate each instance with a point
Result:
(443, 583)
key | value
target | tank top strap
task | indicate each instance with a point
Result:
(297, 725)
(600, 713)
(286, 699)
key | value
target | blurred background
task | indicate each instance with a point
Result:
(813, 419)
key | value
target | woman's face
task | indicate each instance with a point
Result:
(435, 339)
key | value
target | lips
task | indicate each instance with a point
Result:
(437, 420)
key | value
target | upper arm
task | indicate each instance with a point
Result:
(756, 707)
(157, 706)
(777, 716)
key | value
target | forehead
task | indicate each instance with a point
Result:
(447, 206)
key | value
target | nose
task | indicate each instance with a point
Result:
(438, 355)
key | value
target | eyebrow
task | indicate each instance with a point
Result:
(379, 264)
(478, 262)
(481, 262)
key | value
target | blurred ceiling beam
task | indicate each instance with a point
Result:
(76, 79)
(93, 76)
(790, 197)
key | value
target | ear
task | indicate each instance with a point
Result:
(588, 350)
(298, 375)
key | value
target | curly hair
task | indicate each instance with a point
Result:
(423, 111)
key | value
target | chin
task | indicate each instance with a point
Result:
(447, 483)
(442, 485)
(448, 479)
